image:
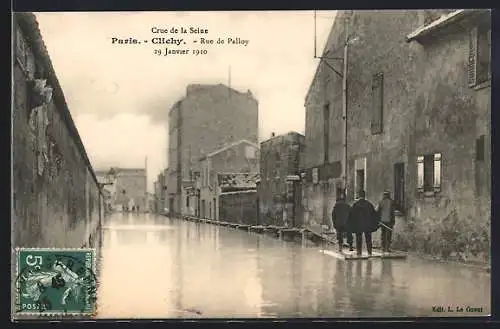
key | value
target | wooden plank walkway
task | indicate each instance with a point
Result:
(351, 255)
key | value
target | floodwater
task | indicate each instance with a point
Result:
(157, 267)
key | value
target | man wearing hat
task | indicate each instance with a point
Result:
(340, 215)
(386, 213)
(362, 221)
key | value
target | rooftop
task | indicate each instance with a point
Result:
(196, 88)
(462, 16)
(227, 147)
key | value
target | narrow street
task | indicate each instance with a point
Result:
(158, 267)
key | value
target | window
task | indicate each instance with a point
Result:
(250, 152)
(480, 148)
(429, 173)
(479, 64)
(377, 103)
(326, 131)
(187, 201)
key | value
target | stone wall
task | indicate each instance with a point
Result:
(56, 199)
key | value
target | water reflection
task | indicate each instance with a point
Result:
(158, 267)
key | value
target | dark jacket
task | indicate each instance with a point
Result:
(340, 215)
(386, 212)
(363, 217)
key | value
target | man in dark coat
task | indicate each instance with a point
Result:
(386, 214)
(363, 220)
(340, 215)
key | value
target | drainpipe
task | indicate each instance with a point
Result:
(344, 103)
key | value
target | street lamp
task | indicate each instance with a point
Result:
(349, 39)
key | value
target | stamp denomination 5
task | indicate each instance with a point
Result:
(55, 281)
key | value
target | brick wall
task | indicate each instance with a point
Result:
(56, 200)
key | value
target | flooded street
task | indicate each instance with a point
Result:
(156, 267)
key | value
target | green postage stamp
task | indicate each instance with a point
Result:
(55, 281)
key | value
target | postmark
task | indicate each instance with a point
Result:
(55, 281)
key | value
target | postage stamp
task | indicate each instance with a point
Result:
(55, 281)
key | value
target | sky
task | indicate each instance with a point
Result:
(119, 95)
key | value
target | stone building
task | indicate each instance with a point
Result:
(279, 187)
(202, 198)
(131, 189)
(206, 119)
(56, 199)
(159, 193)
(418, 123)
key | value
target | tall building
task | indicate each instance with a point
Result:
(418, 123)
(206, 119)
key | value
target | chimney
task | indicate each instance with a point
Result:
(273, 134)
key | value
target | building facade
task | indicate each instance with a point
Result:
(131, 189)
(418, 123)
(206, 119)
(56, 198)
(202, 198)
(279, 188)
(159, 193)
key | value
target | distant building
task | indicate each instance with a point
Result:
(239, 157)
(206, 119)
(159, 193)
(418, 124)
(130, 188)
(279, 186)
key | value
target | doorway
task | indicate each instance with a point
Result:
(399, 185)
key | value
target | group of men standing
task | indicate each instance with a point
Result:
(363, 219)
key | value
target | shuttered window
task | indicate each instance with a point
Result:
(377, 103)
(326, 131)
(429, 173)
(479, 59)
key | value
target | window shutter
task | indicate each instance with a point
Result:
(437, 172)
(472, 62)
(377, 103)
(420, 173)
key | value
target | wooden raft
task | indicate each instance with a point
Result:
(351, 255)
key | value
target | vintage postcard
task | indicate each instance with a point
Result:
(253, 164)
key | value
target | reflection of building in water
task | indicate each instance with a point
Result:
(277, 295)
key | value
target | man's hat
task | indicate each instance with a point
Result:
(387, 193)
